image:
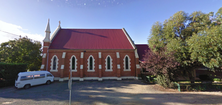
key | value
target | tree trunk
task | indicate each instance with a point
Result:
(191, 75)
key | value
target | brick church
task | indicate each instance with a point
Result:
(90, 54)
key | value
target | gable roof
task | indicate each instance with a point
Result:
(91, 39)
(141, 50)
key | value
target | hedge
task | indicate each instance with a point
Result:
(9, 72)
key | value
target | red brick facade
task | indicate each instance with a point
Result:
(99, 45)
(82, 72)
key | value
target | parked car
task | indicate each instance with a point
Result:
(28, 79)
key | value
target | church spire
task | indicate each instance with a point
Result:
(47, 33)
(59, 24)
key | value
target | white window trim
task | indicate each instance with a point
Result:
(70, 64)
(42, 66)
(125, 63)
(117, 54)
(99, 53)
(111, 64)
(63, 54)
(93, 69)
(44, 55)
(100, 66)
(82, 54)
(118, 66)
(57, 62)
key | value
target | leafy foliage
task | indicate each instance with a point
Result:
(161, 64)
(195, 39)
(206, 47)
(164, 81)
(9, 71)
(22, 50)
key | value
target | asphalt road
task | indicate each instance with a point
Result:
(108, 92)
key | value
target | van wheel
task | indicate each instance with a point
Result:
(48, 82)
(27, 86)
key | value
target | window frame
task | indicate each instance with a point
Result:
(71, 62)
(52, 64)
(124, 63)
(93, 64)
(106, 63)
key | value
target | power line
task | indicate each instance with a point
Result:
(10, 33)
(15, 34)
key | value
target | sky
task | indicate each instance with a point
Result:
(29, 17)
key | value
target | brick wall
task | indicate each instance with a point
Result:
(98, 61)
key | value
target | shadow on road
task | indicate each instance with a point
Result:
(108, 92)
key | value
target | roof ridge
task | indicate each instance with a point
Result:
(93, 28)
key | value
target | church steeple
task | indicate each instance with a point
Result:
(47, 33)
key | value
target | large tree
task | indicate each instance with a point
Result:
(22, 50)
(205, 45)
(181, 33)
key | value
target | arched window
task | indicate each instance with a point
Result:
(108, 63)
(73, 63)
(91, 64)
(126, 62)
(54, 63)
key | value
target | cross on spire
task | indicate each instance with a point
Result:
(59, 23)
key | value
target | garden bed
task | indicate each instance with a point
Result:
(204, 86)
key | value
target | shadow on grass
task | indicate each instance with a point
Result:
(107, 92)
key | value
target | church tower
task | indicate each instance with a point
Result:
(46, 43)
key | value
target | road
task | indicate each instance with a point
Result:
(107, 92)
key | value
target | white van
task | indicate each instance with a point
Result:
(28, 79)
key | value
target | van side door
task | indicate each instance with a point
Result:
(39, 79)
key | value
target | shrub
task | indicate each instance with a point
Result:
(9, 71)
(165, 81)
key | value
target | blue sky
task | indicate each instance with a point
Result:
(29, 17)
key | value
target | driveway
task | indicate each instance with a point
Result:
(107, 92)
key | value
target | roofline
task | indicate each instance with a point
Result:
(55, 33)
(94, 28)
(129, 38)
(141, 44)
(90, 49)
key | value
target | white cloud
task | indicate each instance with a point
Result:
(10, 31)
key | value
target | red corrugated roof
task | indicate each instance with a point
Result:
(141, 50)
(90, 39)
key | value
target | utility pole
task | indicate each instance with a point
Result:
(70, 86)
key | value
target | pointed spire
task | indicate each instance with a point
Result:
(47, 33)
(48, 27)
(59, 24)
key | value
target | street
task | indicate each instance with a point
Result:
(107, 92)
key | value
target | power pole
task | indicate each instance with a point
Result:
(70, 86)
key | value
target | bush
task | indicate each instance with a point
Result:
(165, 81)
(202, 87)
(9, 71)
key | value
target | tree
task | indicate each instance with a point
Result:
(161, 64)
(205, 45)
(22, 50)
(179, 33)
